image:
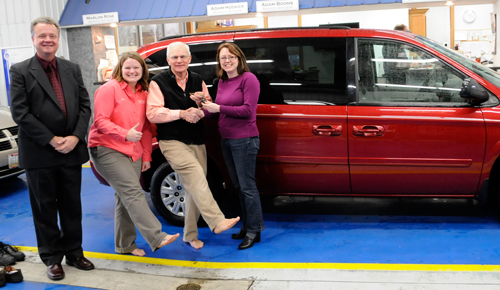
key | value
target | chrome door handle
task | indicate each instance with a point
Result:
(327, 130)
(368, 130)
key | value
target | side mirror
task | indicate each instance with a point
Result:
(473, 91)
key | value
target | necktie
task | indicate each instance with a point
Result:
(56, 85)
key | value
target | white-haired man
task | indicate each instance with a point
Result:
(182, 140)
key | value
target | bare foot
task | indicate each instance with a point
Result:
(197, 244)
(138, 252)
(168, 239)
(225, 225)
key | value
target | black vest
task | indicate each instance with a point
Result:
(177, 99)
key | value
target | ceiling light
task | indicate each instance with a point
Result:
(113, 25)
(448, 3)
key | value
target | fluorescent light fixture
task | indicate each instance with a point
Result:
(260, 61)
(405, 60)
(448, 3)
(285, 84)
(195, 64)
(158, 68)
(113, 25)
(419, 1)
(418, 87)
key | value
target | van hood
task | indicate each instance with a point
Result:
(6, 120)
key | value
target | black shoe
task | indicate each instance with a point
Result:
(239, 236)
(55, 272)
(13, 275)
(81, 263)
(13, 251)
(248, 242)
(5, 258)
(2, 277)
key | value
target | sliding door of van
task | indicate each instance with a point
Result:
(302, 112)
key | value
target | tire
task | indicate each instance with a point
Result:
(168, 194)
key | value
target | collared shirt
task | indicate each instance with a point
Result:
(156, 111)
(116, 110)
(45, 65)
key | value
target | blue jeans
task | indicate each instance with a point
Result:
(240, 156)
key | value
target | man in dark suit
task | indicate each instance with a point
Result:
(52, 108)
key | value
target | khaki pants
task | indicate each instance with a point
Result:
(131, 207)
(190, 162)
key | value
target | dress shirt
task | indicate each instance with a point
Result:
(116, 110)
(50, 68)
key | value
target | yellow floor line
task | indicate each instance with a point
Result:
(258, 265)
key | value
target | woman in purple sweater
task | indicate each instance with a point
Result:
(237, 96)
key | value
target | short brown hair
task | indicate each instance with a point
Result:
(118, 74)
(242, 60)
(400, 27)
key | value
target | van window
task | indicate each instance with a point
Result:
(395, 72)
(305, 71)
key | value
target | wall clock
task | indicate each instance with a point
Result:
(469, 16)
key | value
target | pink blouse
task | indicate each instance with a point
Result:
(116, 110)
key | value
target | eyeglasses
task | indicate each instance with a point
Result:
(231, 58)
(182, 57)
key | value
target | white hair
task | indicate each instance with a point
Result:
(177, 43)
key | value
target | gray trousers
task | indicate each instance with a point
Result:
(190, 162)
(131, 207)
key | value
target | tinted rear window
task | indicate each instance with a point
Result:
(306, 71)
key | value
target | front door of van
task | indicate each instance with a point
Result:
(410, 133)
(301, 115)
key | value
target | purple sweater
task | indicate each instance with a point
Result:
(238, 98)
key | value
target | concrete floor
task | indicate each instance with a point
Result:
(322, 243)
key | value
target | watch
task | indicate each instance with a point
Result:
(469, 16)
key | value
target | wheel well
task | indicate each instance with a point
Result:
(159, 159)
(494, 182)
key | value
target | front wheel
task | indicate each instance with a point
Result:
(168, 195)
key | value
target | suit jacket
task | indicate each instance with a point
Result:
(37, 111)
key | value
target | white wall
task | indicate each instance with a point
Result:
(259, 21)
(438, 25)
(379, 19)
(496, 9)
(482, 24)
(482, 17)
(283, 21)
(15, 20)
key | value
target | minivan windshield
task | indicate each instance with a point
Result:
(477, 68)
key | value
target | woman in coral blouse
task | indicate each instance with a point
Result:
(120, 148)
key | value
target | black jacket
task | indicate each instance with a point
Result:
(37, 111)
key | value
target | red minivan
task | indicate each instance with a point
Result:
(350, 112)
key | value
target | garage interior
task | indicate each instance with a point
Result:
(308, 243)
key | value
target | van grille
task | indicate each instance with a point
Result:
(5, 145)
(13, 130)
(8, 138)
